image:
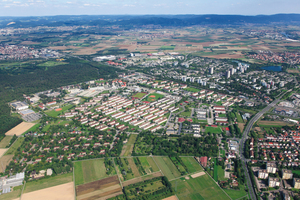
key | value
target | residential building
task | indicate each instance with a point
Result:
(263, 174)
(296, 183)
(274, 182)
(271, 167)
(287, 174)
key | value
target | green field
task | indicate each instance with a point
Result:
(33, 129)
(139, 95)
(148, 164)
(215, 170)
(54, 113)
(236, 194)
(191, 164)
(239, 118)
(157, 96)
(48, 182)
(167, 48)
(213, 130)
(5, 141)
(90, 170)
(200, 188)
(190, 89)
(222, 153)
(221, 174)
(128, 147)
(15, 146)
(52, 63)
(167, 167)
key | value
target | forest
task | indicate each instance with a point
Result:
(31, 79)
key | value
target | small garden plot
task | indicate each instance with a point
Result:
(148, 164)
(128, 147)
(139, 165)
(191, 164)
(127, 168)
(142, 148)
(179, 164)
(167, 167)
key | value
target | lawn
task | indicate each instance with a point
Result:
(15, 146)
(222, 153)
(203, 188)
(239, 118)
(215, 170)
(139, 95)
(5, 141)
(33, 129)
(221, 174)
(167, 167)
(167, 48)
(128, 147)
(236, 194)
(186, 113)
(54, 113)
(213, 130)
(90, 170)
(48, 182)
(154, 96)
(190, 89)
(191, 164)
(148, 164)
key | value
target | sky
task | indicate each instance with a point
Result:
(142, 7)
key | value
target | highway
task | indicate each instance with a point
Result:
(245, 137)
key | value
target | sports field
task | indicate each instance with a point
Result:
(154, 96)
(19, 129)
(191, 164)
(213, 130)
(200, 188)
(167, 167)
(148, 164)
(90, 170)
(54, 113)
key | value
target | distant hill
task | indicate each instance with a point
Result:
(140, 20)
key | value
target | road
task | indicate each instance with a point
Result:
(244, 138)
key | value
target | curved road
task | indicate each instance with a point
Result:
(244, 138)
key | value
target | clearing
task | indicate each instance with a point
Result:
(90, 170)
(202, 187)
(128, 147)
(191, 164)
(20, 129)
(167, 167)
(64, 191)
(5, 141)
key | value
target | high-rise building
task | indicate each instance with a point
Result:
(183, 78)
(228, 74)
(211, 70)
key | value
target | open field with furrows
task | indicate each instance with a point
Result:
(99, 189)
(5, 141)
(64, 191)
(167, 167)
(19, 129)
(90, 170)
(128, 147)
(148, 164)
(200, 188)
(34, 185)
(191, 164)
(142, 178)
(273, 123)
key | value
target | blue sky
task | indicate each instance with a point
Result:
(104, 7)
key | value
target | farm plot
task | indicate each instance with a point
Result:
(107, 187)
(191, 164)
(15, 146)
(142, 178)
(20, 129)
(148, 164)
(90, 170)
(167, 167)
(177, 163)
(4, 160)
(128, 147)
(126, 168)
(64, 191)
(202, 187)
(5, 141)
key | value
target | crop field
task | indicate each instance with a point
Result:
(139, 95)
(213, 130)
(4, 160)
(107, 187)
(31, 186)
(154, 96)
(90, 170)
(273, 123)
(15, 146)
(200, 188)
(179, 166)
(128, 147)
(20, 129)
(148, 164)
(142, 178)
(54, 113)
(5, 141)
(167, 167)
(191, 164)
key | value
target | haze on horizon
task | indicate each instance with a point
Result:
(143, 7)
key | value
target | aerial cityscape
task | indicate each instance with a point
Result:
(148, 103)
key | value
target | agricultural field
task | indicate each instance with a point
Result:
(142, 178)
(54, 113)
(191, 164)
(202, 187)
(5, 141)
(139, 95)
(237, 194)
(5, 160)
(167, 167)
(33, 128)
(105, 188)
(148, 164)
(217, 130)
(154, 96)
(126, 168)
(20, 129)
(273, 123)
(13, 148)
(128, 147)
(90, 170)
(34, 185)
